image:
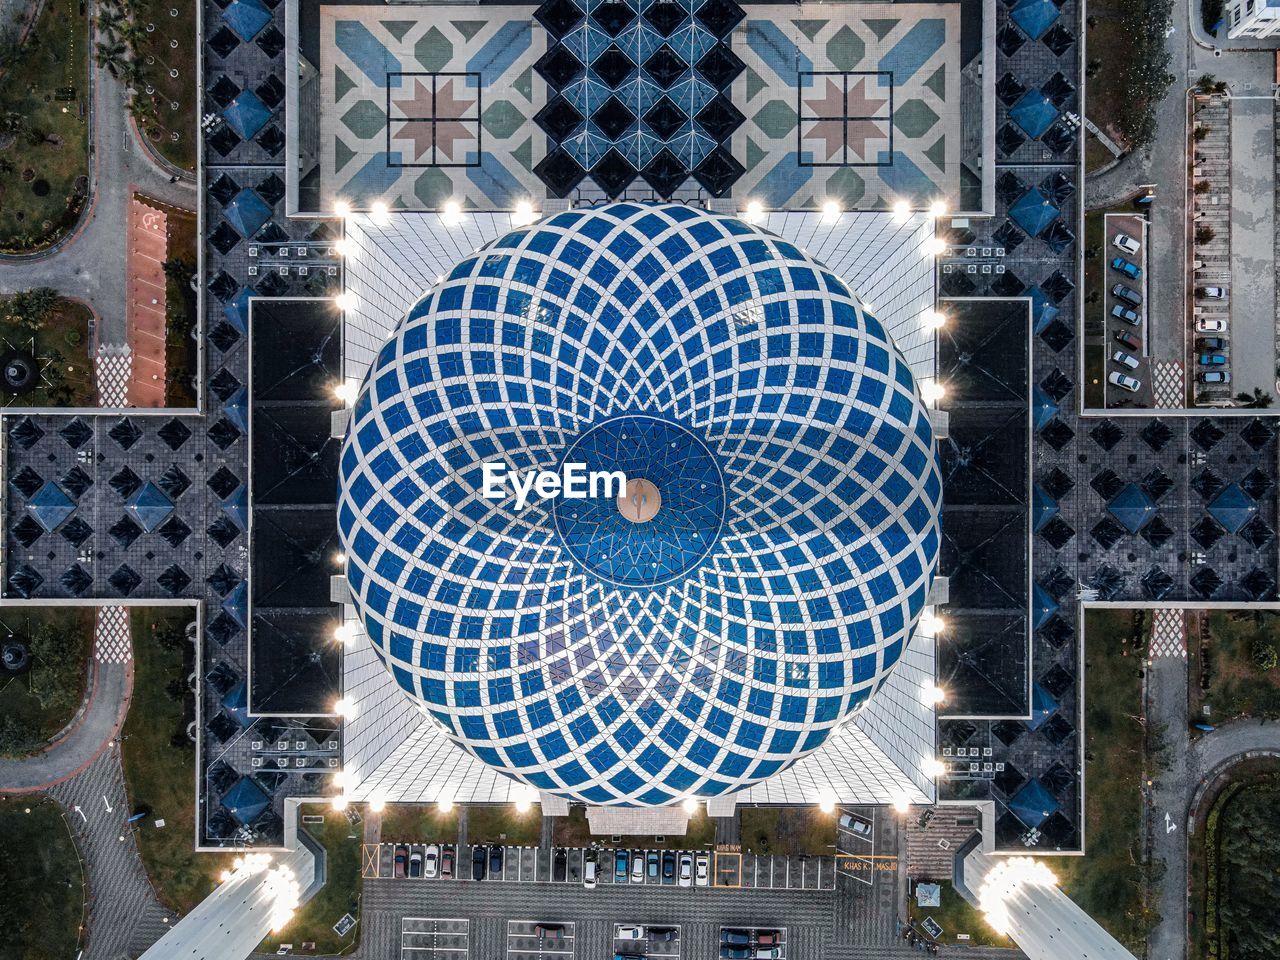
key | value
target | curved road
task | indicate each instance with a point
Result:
(90, 266)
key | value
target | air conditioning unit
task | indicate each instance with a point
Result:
(253, 270)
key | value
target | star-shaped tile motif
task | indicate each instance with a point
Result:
(435, 120)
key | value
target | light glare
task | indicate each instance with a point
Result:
(901, 211)
(754, 212)
(830, 212)
(452, 213)
(524, 214)
(380, 214)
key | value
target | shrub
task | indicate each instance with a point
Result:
(1200, 133)
(1204, 235)
(1263, 654)
(1202, 186)
(31, 308)
(1210, 14)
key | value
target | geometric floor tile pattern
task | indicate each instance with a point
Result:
(113, 366)
(111, 639)
(1168, 385)
(1168, 634)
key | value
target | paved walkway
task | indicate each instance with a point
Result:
(91, 266)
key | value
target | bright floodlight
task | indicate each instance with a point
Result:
(827, 803)
(524, 214)
(754, 212)
(938, 208)
(377, 804)
(339, 802)
(346, 392)
(444, 806)
(901, 211)
(936, 246)
(932, 391)
(341, 208)
(690, 805)
(344, 708)
(380, 214)
(932, 694)
(901, 804)
(523, 805)
(345, 301)
(452, 213)
(345, 633)
(933, 767)
(932, 626)
(342, 247)
(830, 212)
(1004, 882)
(935, 319)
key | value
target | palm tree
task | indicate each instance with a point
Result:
(1256, 400)
(108, 22)
(112, 57)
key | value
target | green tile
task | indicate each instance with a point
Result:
(754, 83)
(433, 188)
(342, 154)
(914, 118)
(524, 154)
(755, 154)
(398, 28)
(502, 119)
(523, 84)
(846, 186)
(938, 82)
(365, 119)
(468, 28)
(776, 119)
(433, 50)
(342, 84)
(845, 50)
(810, 28)
(881, 28)
(937, 154)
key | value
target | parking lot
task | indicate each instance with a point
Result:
(566, 865)
(1127, 325)
(655, 941)
(540, 940)
(749, 942)
(434, 938)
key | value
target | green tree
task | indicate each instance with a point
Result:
(112, 57)
(1264, 655)
(1258, 399)
(31, 308)
(56, 668)
(1250, 850)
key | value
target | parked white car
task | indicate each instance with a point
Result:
(1209, 325)
(1126, 243)
(631, 933)
(431, 864)
(702, 877)
(1123, 382)
(1214, 293)
(1125, 359)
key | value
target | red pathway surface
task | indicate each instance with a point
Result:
(148, 239)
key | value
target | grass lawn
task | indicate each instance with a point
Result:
(340, 894)
(787, 830)
(419, 823)
(1095, 328)
(159, 121)
(1110, 882)
(159, 774)
(41, 881)
(63, 340)
(1236, 685)
(45, 94)
(502, 823)
(36, 705)
(1125, 66)
(1096, 155)
(956, 916)
(1203, 930)
(573, 831)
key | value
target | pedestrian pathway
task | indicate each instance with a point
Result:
(1168, 634)
(1168, 385)
(111, 643)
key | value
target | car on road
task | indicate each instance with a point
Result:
(1121, 312)
(479, 856)
(686, 869)
(446, 863)
(1127, 294)
(1212, 293)
(1127, 267)
(637, 867)
(1211, 343)
(1214, 376)
(651, 864)
(630, 933)
(1212, 360)
(431, 861)
(495, 859)
(702, 872)
(1126, 339)
(589, 874)
(1122, 241)
(668, 867)
(1125, 359)
(1211, 325)
(415, 865)
(621, 859)
(560, 866)
(401, 862)
(1123, 382)
(735, 953)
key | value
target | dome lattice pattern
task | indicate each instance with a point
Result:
(702, 651)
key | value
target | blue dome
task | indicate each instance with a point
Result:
(748, 567)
